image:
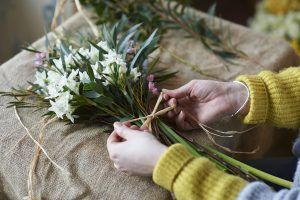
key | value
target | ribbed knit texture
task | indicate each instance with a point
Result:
(194, 178)
(274, 99)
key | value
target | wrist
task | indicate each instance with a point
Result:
(239, 99)
(158, 153)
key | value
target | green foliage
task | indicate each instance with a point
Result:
(167, 15)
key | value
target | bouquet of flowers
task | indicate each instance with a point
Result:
(111, 78)
(279, 19)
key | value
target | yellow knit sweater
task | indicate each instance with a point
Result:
(274, 99)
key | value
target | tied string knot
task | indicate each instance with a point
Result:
(209, 131)
(154, 113)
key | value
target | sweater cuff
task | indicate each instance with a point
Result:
(258, 99)
(170, 164)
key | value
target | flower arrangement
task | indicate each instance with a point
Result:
(172, 15)
(113, 78)
(279, 19)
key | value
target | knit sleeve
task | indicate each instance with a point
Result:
(192, 178)
(274, 98)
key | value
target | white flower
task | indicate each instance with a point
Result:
(103, 45)
(69, 60)
(41, 78)
(71, 82)
(135, 73)
(84, 52)
(61, 106)
(56, 84)
(84, 77)
(94, 52)
(113, 58)
(58, 63)
(96, 70)
(72, 50)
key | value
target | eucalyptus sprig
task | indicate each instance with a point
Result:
(169, 15)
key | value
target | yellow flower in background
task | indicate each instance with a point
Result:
(281, 6)
(296, 46)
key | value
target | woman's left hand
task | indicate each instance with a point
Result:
(134, 150)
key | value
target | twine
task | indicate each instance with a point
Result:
(208, 130)
(87, 19)
(58, 10)
(36, 155)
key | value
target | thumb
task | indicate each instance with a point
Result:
(122, 130)
(180, 92)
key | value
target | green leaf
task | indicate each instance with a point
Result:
(31, 50)
(90, 72)
(212, 9)
(62, 56)
(96, 87)
(126, 37)
(91, 94)
(143, 48)
(104, 100)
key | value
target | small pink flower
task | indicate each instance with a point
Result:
(151, 86)
(38, 62)
(43, 55)
(155, 91)
(150, 78)
(39, 58)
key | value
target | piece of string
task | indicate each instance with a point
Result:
(87, 19)
(37, 152)
(21, 139)
(205, 128)
(58, 10)
(36, 142)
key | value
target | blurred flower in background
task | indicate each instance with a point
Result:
(279, 19)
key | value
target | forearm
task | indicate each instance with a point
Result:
(195, 178)
(192, 178)
(261, 191)
(274, 98)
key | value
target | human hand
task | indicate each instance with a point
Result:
(206, 101)
(134, 150)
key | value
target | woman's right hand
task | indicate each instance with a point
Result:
(206, 101)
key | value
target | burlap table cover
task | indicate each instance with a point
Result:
(81, 149)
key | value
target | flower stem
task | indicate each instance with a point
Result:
(252, 170)
(174, 137)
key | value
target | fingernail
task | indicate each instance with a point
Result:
(117, 124)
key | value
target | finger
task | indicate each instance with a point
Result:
(179, 92)
(113, 138)
(123, 131)
(135, 127)
(144, 128)
(126, 123)
(172, 102)
(166, 97)
(171, 114)
(180, 120)
(184, 101)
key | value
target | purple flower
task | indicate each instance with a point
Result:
(155, 91)
(151, 86)
(38, 63)
(150, 78)
(39, 58)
